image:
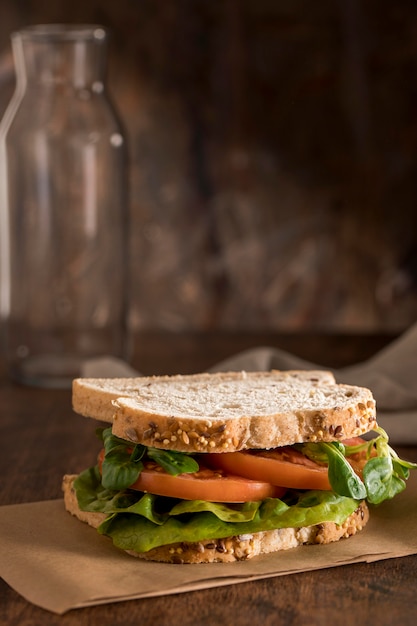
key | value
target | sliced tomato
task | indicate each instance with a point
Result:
(284, 466)
(206, 484)
(357, 460)
(354, 441)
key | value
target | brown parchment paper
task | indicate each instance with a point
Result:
(59, 563)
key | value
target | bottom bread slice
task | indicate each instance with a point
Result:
(236, 548)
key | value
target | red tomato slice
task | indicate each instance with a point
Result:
(284, 466)
(357, 460)
(206, 484)
(354, 441)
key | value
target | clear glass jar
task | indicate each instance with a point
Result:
(63, 208)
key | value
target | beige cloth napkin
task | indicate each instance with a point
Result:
(391, 375)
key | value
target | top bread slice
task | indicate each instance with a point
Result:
(94, 397)
(230, 411)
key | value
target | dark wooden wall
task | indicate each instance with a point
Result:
(273, 156)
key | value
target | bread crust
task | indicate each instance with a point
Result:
(231, 415)
(230, 549)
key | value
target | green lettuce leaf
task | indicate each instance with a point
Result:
(226, 512)
(141, 522)
(384, 474)
(123, 460)
(133, 532)
(92, 496)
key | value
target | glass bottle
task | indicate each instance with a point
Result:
(63, 208)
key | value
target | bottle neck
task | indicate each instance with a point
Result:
(59, 55)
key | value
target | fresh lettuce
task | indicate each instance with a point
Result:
(140, 522)
(123, 460)
(384, 474)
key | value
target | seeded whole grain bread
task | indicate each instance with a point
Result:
(237, 548)
(228, 411)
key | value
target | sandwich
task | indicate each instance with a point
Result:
(223, 467)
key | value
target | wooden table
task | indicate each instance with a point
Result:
(41, 439)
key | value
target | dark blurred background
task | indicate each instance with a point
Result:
(273, 145)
